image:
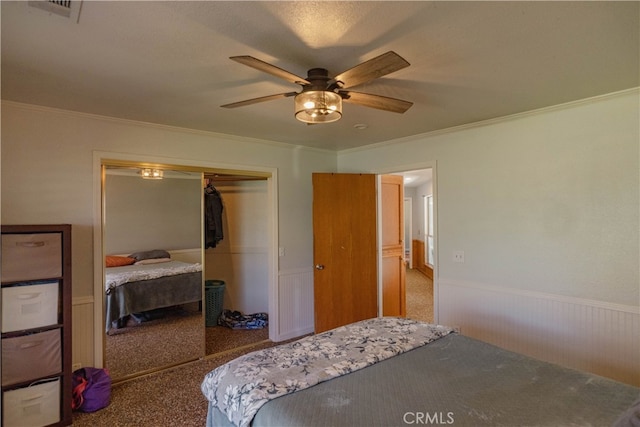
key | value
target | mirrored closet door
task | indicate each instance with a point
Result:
(152, 244)
(155, 217)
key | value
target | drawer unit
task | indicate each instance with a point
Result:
(37, 405)
(35, 298)
(31, 256)
(31, 356)
(29, 306)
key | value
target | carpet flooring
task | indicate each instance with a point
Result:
(419, 296)
(175, 337)
(221, 338)
(167, 398)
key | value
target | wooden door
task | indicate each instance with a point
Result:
(393, 264)
(344, 249)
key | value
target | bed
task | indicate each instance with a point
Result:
(151, 281)
(395, 372)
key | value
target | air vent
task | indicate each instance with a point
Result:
(65, 8)
(66, 4)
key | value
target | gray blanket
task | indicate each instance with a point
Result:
(145, 295)
(454, 381)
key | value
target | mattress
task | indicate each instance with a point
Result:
(454, 380)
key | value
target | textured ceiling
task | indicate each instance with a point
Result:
(167, 62)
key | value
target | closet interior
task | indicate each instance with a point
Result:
(236, 266)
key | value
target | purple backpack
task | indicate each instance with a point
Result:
(91, 389)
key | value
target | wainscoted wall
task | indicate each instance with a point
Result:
(82, 332)
(593, 336)
(295, 299)
(187, 255)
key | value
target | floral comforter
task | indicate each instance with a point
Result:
(240, 387)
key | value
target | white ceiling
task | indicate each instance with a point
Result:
(415, 178)
(167, 62)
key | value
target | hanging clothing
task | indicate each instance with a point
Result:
(212, 217)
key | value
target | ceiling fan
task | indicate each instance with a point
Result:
(320, 100)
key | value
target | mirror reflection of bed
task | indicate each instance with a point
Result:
(154, 321)
(156, 297)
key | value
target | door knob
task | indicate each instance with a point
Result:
(319, 267)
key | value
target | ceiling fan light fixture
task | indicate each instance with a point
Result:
(318, 106)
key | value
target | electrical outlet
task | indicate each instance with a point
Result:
(281, 251)
(458, 256)
(76, 366)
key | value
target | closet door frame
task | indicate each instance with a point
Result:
(101, 158)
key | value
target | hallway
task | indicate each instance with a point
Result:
(419, 294)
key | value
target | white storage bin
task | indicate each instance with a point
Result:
(37, 405)
(32, 356)
(31, 256)
(30, 306)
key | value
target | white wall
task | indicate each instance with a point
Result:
(544, 205)
(240, 259)
(547, 201)
(420, 192)
(47, 176)
(144, 214)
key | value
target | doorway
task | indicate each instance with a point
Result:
(344, 252)
(420, 242)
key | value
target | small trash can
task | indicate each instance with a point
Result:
(214, 299)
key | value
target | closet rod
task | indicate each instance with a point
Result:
(221, 178)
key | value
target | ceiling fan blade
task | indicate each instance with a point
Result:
(376, 101)
(257, 100)
(372, 69)
(270, 69)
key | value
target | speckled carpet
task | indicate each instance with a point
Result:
(141, 347)
(419, 296)
(167, 398)
(176, 336)
(221, 338)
